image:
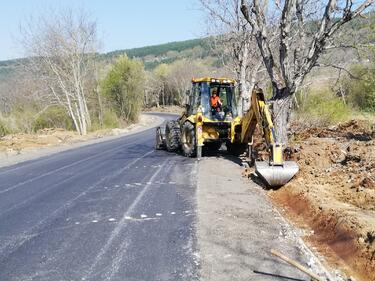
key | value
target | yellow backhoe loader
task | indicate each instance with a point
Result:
(205, 124)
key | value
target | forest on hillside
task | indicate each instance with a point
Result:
(77, 88)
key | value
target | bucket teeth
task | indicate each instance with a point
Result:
(276, 176)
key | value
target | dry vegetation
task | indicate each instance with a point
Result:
(21, 143)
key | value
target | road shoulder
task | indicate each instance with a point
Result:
(11, 157)
(237, 228)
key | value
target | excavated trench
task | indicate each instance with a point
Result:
(333, 195)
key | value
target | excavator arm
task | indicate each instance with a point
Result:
(276, 172)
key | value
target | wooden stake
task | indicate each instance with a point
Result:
(296, 264)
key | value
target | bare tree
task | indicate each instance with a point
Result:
(180, 75)
(153, 88)
(305, 30)
(61, 48)
(234, 43)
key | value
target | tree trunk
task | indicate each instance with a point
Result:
(281, 108)
(244, 103)
(163, 95)
(146, 98)
(100, 115)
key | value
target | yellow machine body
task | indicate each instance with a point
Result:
(200, 126)
(276, 172)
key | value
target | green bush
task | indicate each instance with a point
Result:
(123, 88)
(53, 117)
(361, 92)
(321, 108)
(110, 120)
(3, 129)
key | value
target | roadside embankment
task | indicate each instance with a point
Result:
(333, 195)
(16, 148)
(167, 109)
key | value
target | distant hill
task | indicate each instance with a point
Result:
(165, 53)
(7, 67)
(358, 31)
(157, 50)
(150, 55)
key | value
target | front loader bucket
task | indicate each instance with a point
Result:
(276, 176)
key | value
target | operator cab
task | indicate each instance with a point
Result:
(215, 96)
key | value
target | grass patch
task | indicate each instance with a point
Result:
(110, 120)
(3, 129)
(321, 108)
(53, 117)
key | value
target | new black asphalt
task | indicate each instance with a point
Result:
(115, 210)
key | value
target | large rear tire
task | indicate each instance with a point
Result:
(172, 136)
(188, 140)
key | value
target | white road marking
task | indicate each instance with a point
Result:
(67, 204)
(158, 214)
(111, 219)
(173, 213)
(55, 170)
(94, 221)
(115, 233)
(143, 216)
(102, 153)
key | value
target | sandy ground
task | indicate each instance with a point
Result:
(333, 195)
(18, 148)
(238, 227)
(167, 109)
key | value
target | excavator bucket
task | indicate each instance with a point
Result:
(276, 175)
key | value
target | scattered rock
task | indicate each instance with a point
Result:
(370, 237)
(360, 189)
(368, 183)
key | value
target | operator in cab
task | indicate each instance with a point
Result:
(215, 101)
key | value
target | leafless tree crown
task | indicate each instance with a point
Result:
(61, 49)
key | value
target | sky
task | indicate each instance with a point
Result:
(121, 24)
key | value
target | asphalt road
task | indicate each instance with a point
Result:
(116, 210)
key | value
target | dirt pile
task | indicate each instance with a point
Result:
(47, 137)
(334, 193)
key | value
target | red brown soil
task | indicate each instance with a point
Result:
(334, 193)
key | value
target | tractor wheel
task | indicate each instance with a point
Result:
(159, 140)
(236, 149)
(188, 140)
(172, 135)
